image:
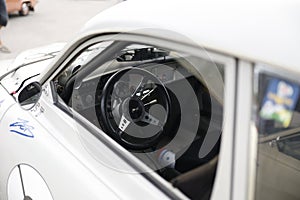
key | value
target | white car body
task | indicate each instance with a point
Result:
(61, 159)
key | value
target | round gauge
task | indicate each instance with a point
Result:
(121, 89)
(25, 183)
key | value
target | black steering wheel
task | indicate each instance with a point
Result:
(134, 108)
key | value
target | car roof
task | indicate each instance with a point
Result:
(266, 32)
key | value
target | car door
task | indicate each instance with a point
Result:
(75, 92)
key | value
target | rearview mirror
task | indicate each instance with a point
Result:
(30, 95)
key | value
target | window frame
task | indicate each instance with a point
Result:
(223, 180)
(243, 141)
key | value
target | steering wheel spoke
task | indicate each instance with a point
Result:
(150, 119)
(124, 123)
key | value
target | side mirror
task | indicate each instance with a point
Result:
(30, 95)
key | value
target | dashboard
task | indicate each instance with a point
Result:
(89, 93)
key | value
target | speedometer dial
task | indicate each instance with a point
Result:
(121, 89)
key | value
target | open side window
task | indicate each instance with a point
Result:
(163, 106)
(278, 164)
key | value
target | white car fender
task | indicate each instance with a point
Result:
(34, 146)
(6, 101)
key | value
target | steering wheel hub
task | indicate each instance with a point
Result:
(136, 109)
(133, 109)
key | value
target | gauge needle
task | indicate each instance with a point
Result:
(148, 93)
(151, 102)
(138, 87)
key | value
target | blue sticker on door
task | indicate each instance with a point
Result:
(22, 127)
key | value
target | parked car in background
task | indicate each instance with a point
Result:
(158, 100)
(21, 6)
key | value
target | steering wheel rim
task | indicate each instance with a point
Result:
(131, 114)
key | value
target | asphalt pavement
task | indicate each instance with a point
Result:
(52, 21)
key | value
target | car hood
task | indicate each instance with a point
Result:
(33, 62)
